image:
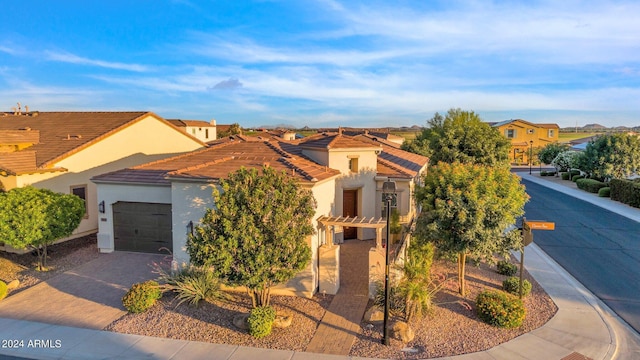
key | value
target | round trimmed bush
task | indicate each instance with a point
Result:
(512, 286)
(507, 268)
(141, 296)
(261, 321)
(3, 290)
(604, 192)
(575, 178)
(565, 175)
(500, 309)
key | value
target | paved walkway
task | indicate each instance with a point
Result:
(583, 326)
(341, 323)
(89, 296)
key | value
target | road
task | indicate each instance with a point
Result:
(599, 248)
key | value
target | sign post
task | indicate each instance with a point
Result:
(527, 238)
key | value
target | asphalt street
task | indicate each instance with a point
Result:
(599, 248)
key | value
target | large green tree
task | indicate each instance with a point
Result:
(35, 218)
(257, 234)
(611, 156)
(463, 137)
(467, 210)
(550, 151)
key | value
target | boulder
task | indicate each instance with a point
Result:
(240, 321)
(402, 331)
(282, 321)
(13, 285)
(374, 314)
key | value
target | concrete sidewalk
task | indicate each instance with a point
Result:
(583, 327)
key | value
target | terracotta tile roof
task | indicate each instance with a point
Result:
(20, 136)
(17, 162)
(221, 159)
(394, 160)
(64, 133)
(184, 123)
(548, 126)
(334, 141)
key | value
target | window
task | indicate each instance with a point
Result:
(551, 133)
(206, 133)
(510, 133)
(353, 164)
(530, 131)
(81, 192)
(193, 131)
(394, 204)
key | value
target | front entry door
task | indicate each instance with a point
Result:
(350, 209)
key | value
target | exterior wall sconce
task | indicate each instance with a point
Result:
(101, 207)
(190, 228)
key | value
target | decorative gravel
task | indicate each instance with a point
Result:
(62, 257)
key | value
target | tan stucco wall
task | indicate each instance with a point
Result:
(112, 193)
(200, 132)
(147, 140)
(321, 156)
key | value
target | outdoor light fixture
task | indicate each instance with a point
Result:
(388, 190)
(101, 207)
(190, 228)
(530, 155)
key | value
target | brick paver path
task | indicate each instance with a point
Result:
(341, 323)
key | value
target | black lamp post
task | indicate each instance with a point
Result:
(388, 189)
(530, 155)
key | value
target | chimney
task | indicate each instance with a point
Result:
(19, 109)
(26, 109)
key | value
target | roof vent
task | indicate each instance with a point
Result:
(73, 137)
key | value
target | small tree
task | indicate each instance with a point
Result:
(461, 136)
(35, 218)
(467, 210)
(566, 160)
(257, 235)
(550, 151)
(234, 129)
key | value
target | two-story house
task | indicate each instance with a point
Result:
(155, 205)
(61, 151)
(526, 136)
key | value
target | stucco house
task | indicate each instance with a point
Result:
(61, 151)
(155, 205)
(201, 130)
(525, 136)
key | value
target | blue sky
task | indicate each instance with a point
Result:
(326, 63)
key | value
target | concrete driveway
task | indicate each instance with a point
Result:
(88, 296)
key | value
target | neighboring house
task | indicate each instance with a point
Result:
(525, 136)
(154, 206)
(201, 130)
(61, 151)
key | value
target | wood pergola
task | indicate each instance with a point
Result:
(356, 221)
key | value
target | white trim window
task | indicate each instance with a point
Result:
(81, 192)
(510, 133)
(551, 133)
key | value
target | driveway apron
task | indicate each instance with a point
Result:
(89, 296)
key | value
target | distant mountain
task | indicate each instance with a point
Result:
(594, 127)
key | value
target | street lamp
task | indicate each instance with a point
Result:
(388, 190)
(530, 155)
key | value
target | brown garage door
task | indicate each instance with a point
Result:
(142, 227)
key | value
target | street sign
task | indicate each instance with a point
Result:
(541, 225)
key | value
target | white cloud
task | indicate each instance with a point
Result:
(75, 59)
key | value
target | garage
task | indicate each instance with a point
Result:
(142, 227)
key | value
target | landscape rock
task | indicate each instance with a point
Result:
(374, 314)
(402, 331)
(283, 321)
(240, 321)
(13, 285)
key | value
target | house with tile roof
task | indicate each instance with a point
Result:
(154, 206)
(526, 136)
(61, 151)
(201, 130)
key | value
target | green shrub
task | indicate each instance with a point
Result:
(500, 309)
(512, 286)
(574, 172)
(547, 173)
(507, 268)
(590, 185)
(604, 192)
(575, 178)
(625, 191)
(565, 175)
(193, 284)
(141, 296)
(261, 321)
(3, 290)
